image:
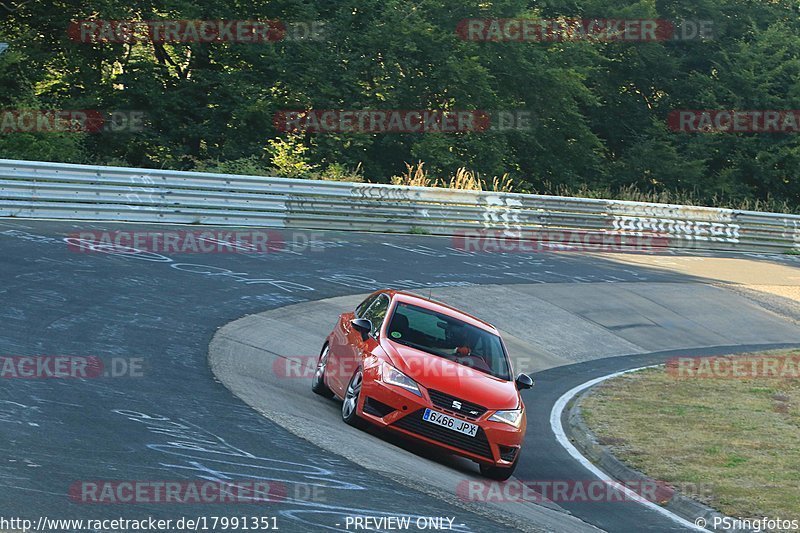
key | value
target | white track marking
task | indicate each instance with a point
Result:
(558, 430)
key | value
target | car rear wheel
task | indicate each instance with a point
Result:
(499, 473)
(350, 403)
(318, 383)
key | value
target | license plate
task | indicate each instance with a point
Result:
(447, 421)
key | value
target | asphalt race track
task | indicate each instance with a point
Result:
(177, 422)
(547, 327)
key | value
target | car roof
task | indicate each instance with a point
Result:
(440, 307)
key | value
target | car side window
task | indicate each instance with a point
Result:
(377, 313)
(363, 306)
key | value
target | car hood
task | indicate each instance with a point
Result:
(438, 373)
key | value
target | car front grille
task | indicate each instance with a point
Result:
(462, 407)
(414, 423)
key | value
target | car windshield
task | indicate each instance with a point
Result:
(448, 337)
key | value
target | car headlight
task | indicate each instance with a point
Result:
(512, 417)
(392, 376)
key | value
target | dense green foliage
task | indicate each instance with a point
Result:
(600, 108)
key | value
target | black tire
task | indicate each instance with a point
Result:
(318, 381)
(499, 473)
(350, 402)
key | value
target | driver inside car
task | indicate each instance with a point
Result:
(463, 350)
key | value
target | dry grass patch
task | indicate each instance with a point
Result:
(464, 179)
(735, 442)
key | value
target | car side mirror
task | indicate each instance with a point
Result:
(524, 381)
(363, 326)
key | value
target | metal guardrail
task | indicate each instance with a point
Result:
(81, 192)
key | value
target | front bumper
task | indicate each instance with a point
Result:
(394, 408)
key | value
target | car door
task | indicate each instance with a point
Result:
(342, 348)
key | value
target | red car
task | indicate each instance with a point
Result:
(428, 371)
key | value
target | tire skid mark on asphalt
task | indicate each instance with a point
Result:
(198, 447)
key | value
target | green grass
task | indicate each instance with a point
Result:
(737, 440)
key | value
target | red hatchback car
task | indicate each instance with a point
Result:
(428, 371)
